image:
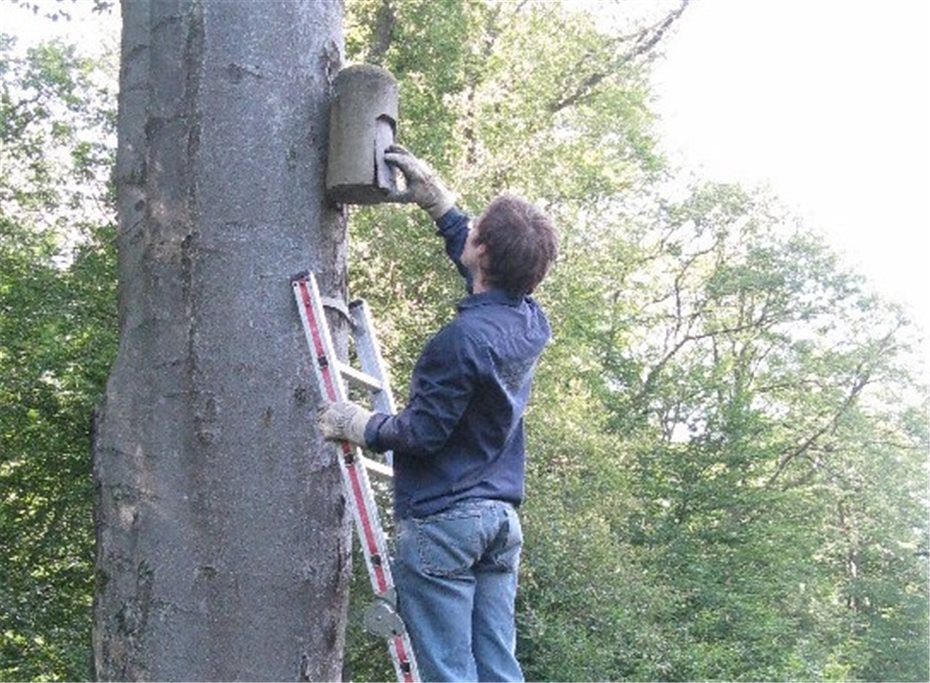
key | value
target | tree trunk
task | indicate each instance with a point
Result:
(222, 539)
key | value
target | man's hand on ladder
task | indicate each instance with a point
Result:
(343, 421)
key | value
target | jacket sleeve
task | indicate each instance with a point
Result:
(444, 383)
(453, 228)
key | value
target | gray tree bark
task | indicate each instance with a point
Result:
(222, 537)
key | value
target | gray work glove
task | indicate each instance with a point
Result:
(343, 421)
(423, 185)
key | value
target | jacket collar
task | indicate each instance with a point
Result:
(490, 297)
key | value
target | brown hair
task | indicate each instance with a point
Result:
(521, 244)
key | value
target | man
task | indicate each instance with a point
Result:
(458, 444)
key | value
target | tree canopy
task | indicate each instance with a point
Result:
(728, 437)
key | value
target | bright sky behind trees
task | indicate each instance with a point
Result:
(829, 103)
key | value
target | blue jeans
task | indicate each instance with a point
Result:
(456, 576)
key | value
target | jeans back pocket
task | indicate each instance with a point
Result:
(449, 543)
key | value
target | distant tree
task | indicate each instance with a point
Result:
(57, 339)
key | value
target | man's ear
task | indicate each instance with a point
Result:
(481, 250)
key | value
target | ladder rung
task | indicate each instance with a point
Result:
(359, 377)
(378, 467)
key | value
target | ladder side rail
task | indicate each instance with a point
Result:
(352, 469)
(371, 361)
(363, 508)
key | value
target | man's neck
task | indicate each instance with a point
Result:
(478, 284)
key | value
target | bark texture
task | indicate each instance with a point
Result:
(222, 539)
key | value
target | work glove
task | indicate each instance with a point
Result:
(423, 185)
(343, 421)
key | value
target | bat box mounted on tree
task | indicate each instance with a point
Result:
(363, 122)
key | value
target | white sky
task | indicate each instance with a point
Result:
(826, 101)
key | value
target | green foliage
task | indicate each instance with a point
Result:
(727, 444)
(56, 339)
(57, 336)
(56, 126)
(722, 484)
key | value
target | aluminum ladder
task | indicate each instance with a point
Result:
(332, 375)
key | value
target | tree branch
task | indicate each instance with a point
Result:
(645, 41)
(830, 426)
(385, 19)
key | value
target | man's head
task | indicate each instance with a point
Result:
(515, 243)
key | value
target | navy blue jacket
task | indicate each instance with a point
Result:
(461, 432)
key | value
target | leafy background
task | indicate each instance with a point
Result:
(728, 439)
